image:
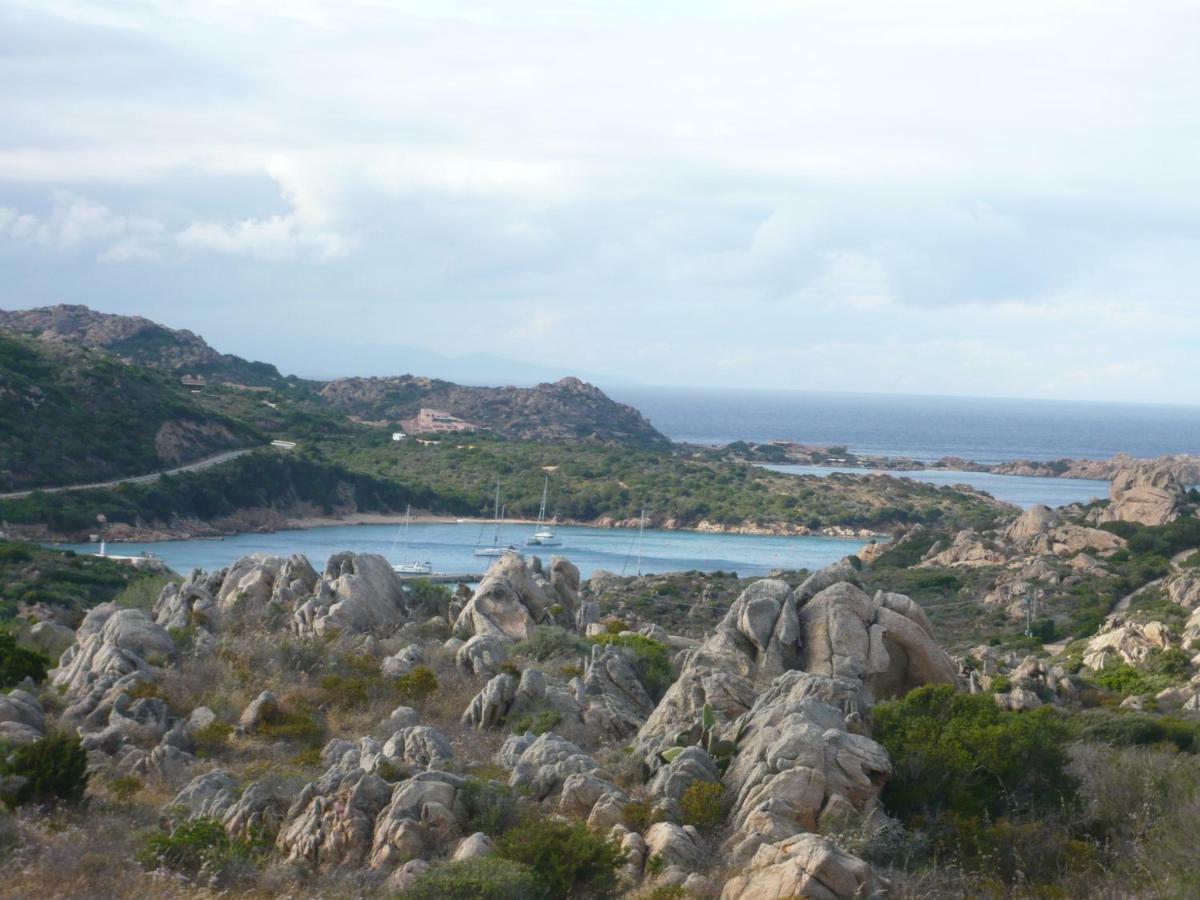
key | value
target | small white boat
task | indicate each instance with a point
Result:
(411, 568)
(544, 536)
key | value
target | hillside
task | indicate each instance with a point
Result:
(136, 340)
(77, 415)
(567, 410)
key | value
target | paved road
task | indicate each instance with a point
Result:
(136, 479)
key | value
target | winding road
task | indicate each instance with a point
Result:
(135, 479)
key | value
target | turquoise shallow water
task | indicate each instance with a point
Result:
(449, 548)
(1019, 489)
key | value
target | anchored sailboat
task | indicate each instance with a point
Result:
(411, 568)
(544, 535)
(496, 549)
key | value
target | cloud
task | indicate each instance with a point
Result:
(273, 239)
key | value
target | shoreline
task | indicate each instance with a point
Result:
(130, 535)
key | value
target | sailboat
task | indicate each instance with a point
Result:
(544, 535)
(496, 549)
(411, 568)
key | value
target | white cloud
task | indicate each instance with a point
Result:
(276, 238)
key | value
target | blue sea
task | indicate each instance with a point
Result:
(449, 547)
(923, 428)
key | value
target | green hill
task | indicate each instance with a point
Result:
(75, 415)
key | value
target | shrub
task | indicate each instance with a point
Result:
(17, 663)
(293, 726)
(49, 770)
(567, 858)
(1135, 729)
(488, 806)
(638, 815)
(650, 659)
(702, 804)
(960, 753)
(124, 787)
(200, 848)
(548, 641)
(486, 878)
(212, 738)
(538, 722)
(417, 685)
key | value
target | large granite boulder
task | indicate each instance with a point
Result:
(800, 765)
(419, 814)
(615, 704)
(251, 585)
(22, 720)
(1040, 530)
(508, 602)
(757, 639)
(545, 765)
(357, 594)
(331, 823)
(1148, 493)
(112, 641)
(886, 641)
(804, 865)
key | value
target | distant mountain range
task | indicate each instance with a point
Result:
(92, 395)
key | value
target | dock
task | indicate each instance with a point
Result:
(442, 577)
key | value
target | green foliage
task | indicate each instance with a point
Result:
(212, 739)
(49, 770)
(649, 658)
(1122, 678)
(537, 721)
(567, 858)
(703, 804)
(638, 815)
(17, 663)
(293, 726)
(417, 685)
(961, 754)
(426, 598)
(488, 806)
(202, 849)
(548, 641)
(485, 878)
(124, 787)
(30, 574)
(1135, 729)
(88, 417)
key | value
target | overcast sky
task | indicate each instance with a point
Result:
(939, 197)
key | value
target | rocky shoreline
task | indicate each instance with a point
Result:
(265, 521)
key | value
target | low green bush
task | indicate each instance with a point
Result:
(547, 642)
(960, 753)
(539, 721)
(18, 663)
(485, 878)
(47, 771)
(488, 806)
(1135, 729)
(703, 804)
(297, 727)
(567, 858)
(417, 685)
(200, 848)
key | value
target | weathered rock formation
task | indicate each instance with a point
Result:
(1147, 493)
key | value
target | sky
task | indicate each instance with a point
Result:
(932, 197)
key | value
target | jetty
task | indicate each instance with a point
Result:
(442, 577)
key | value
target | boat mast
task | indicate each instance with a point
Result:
(496, 515)
(542, 510)
(641, 531)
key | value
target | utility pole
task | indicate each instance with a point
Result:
(1028, 615)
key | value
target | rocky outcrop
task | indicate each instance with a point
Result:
(508, 602)
(1041, 530)
(357, 594)
(505, 697)
(968, 548)
(886, 641)
(112, 642)
(803, 762)
(1147, 493)
(615, 704)
(543, 767)
(332, 821)
(483, 654)
(804, 865)
(418, 815)
(1127, 642)
(22, 720)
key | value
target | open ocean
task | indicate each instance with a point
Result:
(924, 428)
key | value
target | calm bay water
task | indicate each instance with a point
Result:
(449, 548)
(1019, 489)
(926, 428)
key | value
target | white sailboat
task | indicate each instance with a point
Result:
(544, 536)
(496, 549)
(411, 568)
